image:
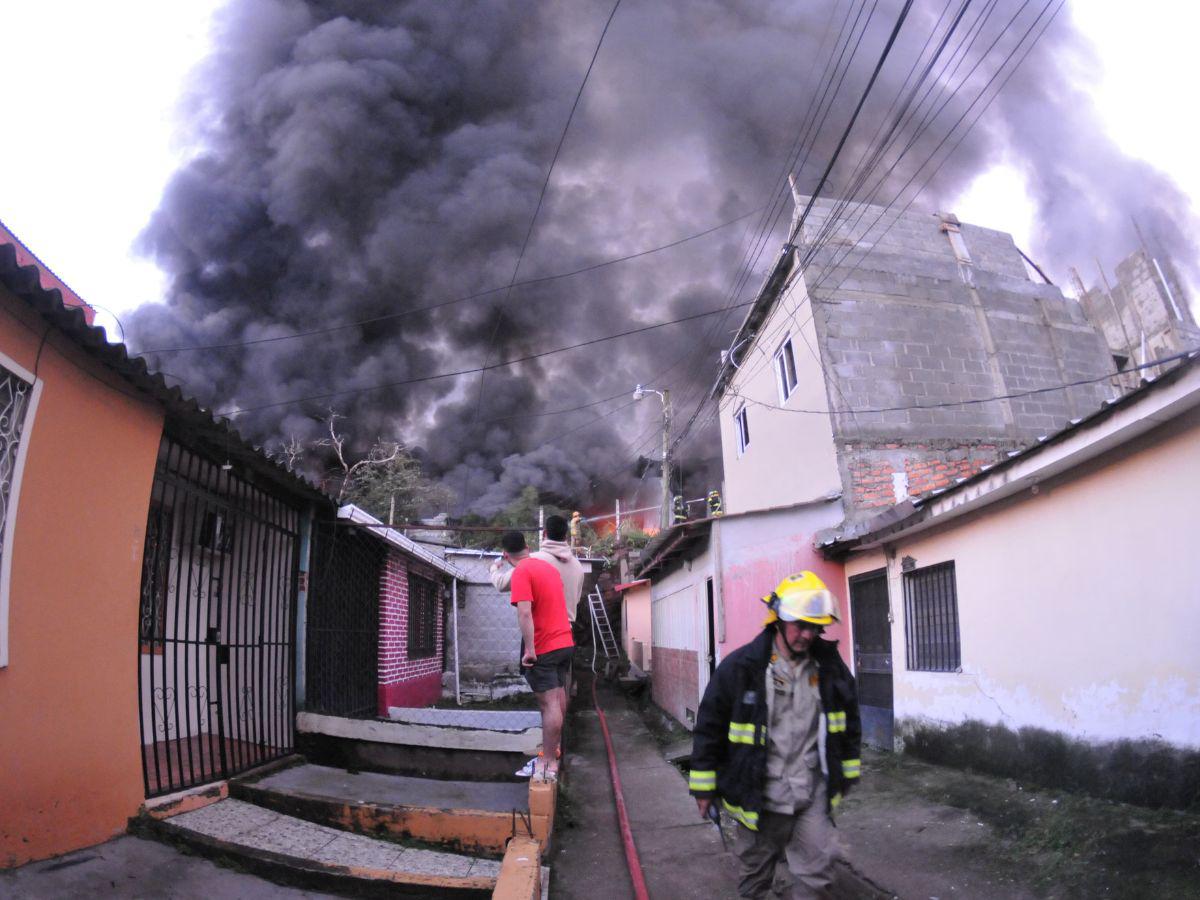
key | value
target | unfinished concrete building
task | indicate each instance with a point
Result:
(1146, 315)
(868, 361)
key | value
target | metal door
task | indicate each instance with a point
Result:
(343, 623)
(216, 640)
(873, 656)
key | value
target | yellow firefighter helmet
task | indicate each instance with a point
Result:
(803, 597)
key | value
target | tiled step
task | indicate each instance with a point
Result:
(296, 851)
(467, 816)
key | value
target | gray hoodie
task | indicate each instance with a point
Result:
(559, 555)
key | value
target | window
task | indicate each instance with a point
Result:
(931, 619)
(785, 369)
(156, 570)
(741, 425)
(422, 617)
(18, 400)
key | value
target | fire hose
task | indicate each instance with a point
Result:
(631, 854)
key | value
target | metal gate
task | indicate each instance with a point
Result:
(342, 625)
(873, 656)
(216, 644)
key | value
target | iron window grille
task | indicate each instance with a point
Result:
(422, 617)
(931, 619)
(741, 424)
(16, 394)
(785, 369)
(156, 567)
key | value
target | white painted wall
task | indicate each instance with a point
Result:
(1079, 606)
(791, 456)
(679, 611)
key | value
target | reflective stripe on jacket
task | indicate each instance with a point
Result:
(729, 745)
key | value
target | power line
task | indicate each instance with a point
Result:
(830, 268)
(1063, 386)
(533, 219)
(473, 371)
(467, 297)
(796, 228)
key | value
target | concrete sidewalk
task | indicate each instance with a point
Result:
(681, 855)
(133, 867)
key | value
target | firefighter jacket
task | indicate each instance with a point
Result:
(729, 749)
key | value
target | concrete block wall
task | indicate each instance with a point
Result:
(908, 324)
(488, 635)
(404, 681)
(1139, 305)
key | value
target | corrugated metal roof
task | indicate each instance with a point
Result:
(360, 516)
(186, 418)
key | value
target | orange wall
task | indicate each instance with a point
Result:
(70, 764)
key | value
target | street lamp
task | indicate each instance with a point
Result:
(665, 396)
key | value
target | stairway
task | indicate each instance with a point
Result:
(364, 833)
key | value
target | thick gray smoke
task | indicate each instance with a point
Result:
(357, 159)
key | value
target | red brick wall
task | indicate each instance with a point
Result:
(870, 469)
(404, 681)
(675, 683)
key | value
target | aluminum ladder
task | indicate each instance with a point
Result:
(602, 633)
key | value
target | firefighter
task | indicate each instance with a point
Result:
(679, 510)
(777, 742)
(714, 503)
(575, 528)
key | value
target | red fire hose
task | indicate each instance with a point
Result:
(631, 855)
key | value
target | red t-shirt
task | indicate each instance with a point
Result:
(539, 584)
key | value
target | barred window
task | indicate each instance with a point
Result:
(931, 619)
(422, 617)
(15, 395)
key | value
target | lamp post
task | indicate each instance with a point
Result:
(639, 392)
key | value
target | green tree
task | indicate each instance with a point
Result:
(395, 488)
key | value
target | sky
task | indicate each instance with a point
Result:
(106, 125)
(283, 218)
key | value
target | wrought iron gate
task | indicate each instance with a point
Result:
(873, 656)
(216, 639)
(342, 647)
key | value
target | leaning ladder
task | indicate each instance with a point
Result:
(602, 633)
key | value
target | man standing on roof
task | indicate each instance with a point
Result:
(546, 644)
(777, 742)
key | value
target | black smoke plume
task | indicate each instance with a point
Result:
(356, 159)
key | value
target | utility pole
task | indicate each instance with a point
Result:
(664, 518)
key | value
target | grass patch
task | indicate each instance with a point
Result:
(1070, 845)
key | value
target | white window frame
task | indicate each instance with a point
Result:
(785, 365)
(741, 430)
(14, 495)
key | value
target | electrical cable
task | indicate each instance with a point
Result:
(798, 226)
(467, 297)
(499, 311)
(473, 371)
(828, 270)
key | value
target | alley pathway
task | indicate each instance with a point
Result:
(681, 855)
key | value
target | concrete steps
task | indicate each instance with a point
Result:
(466, 817)
(293, 850)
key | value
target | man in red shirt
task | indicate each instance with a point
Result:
(546, 643)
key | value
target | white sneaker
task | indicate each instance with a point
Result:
(527, 770)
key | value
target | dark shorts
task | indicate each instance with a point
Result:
(549, 671)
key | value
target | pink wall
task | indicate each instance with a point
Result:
(404, 681)
(675, 685)
(760, 551)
